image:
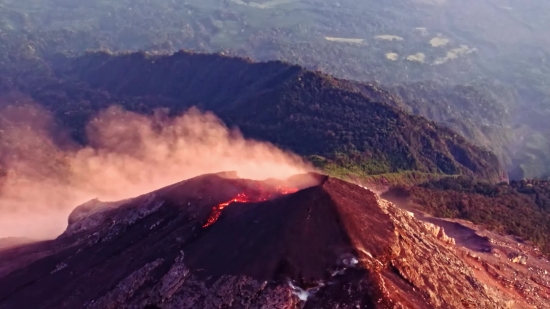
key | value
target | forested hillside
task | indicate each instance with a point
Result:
(478, 68)
(307, 112)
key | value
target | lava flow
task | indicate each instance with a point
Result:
(244, 198)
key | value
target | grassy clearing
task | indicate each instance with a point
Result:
(392, 56)
(372, 173)
(439, 41)
(345, 40)
(418, 57)
(388, 37)
(265, 5)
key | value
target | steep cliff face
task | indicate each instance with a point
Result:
(332, 244)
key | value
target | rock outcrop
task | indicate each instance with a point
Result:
(439, 233)
(331, 245)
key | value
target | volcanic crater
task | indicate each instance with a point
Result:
(218, 241)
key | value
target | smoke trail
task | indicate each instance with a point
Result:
(128, 155)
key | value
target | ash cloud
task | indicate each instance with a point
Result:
(41, 182)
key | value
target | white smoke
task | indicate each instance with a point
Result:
(129, 154)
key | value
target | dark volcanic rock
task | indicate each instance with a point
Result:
(330, 245)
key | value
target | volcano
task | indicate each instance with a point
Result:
(217, 241)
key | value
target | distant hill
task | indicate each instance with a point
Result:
(307, 112)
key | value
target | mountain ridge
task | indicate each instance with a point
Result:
(307, 112)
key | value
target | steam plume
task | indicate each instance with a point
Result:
(128, 155)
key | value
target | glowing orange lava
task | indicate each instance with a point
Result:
(244, 198)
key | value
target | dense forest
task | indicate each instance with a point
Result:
(445, 60)
(310, 113)
(520, 208)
